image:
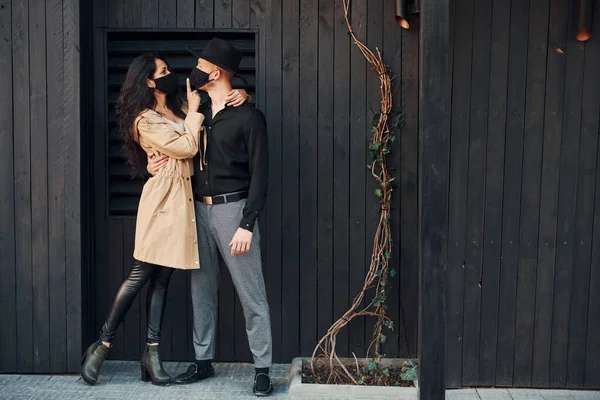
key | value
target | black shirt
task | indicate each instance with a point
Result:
(236, 157)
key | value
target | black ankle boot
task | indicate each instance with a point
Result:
(92, 361)
(152, 368)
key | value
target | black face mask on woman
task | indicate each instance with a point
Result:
(198, 78)
(167, 84)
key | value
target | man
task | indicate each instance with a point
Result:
(230, 184)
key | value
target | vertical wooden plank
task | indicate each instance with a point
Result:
(115, 261)
(132, 13)
(592, 350)
(461, 100)
(149, 13)
(116, 13)
(204, 13)
(473, 281)
(72, 127)
(222, 13)
(434, 137)
(22, 176)
(392, 56)
(498, 80)
(185, 13)
(358, 171)
(290, 222)
(530, 191)
(177, 309)
(325, 153)
(567, 200)
(590, 357)
(341, 171)
(273, 208)
(374, 39)
(167, 13)
(56, 188)
(99, 16)
(240, 13)
(131, 322)
(8, 294)
(408, 194)
(39, 186)
(584, 217)
(517, 64)
(102, 227)
(308, 172)
(259, 21)
(553, 125)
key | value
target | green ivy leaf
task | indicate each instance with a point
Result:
(373, 129)
(388, 255)
(386, 372)
(392, 272)
(378, 192)
(382, 338)
(392, 138)
(375, 146)
(372, 365)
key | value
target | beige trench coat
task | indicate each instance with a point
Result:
(165, 231)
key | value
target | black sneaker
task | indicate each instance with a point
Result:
(262, 385)
(194, 374)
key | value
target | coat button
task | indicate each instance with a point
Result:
(194, 241)
(193, 220)
(190, 199)
(187, 179)
(196, 262)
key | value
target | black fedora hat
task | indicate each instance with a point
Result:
(220, 53)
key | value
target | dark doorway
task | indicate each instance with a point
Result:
(116, 194)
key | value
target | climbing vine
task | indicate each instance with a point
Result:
(385, 122)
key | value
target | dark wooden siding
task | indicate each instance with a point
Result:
(40, 229)
(317, 94)
(523, 268)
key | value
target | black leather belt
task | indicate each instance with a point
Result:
(222, 198)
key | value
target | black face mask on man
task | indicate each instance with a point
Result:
(199, 78)
(167, 84)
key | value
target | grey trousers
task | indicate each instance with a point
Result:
(216, 226)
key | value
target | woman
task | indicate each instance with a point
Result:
(152, 119)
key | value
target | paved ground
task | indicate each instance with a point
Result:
(120, 380)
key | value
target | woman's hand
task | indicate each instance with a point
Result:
(236, 97)
(193, 98)
(155, 163)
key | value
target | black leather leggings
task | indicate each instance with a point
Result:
(156, 299)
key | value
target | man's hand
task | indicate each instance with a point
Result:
(156, 163)
(240, 244)
(236, 97)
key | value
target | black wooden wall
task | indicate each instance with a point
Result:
(318, 94)
(40, 229)
(523, 278)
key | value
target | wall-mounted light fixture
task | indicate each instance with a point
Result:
(585, 13)
(402, 13)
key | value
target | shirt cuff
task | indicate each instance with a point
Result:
(248, 222)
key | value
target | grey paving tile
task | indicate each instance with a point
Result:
(462, 394)
(20, 389)
(525, 394)
(5, 379)
(51, 395)
(11, 396)
(113, 395)
(586, 395)
(556, 394)
(494, 394)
